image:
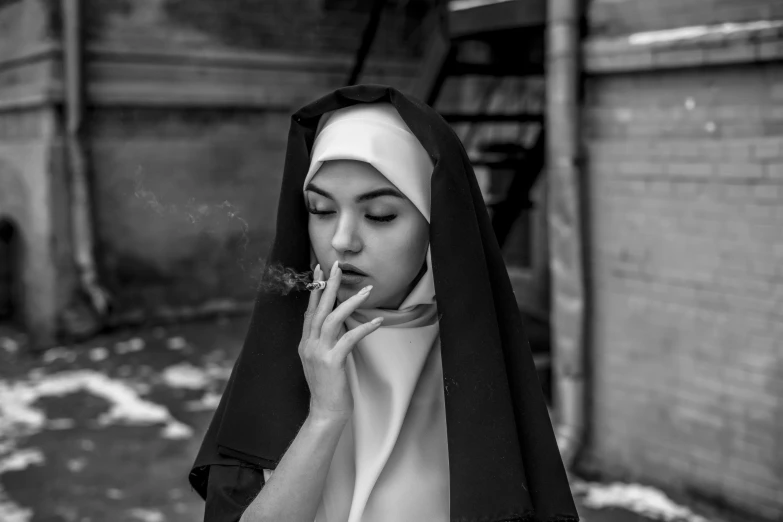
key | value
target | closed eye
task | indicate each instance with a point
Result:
(379, 219)
(382, 219)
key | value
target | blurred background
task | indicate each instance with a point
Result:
(631, 157)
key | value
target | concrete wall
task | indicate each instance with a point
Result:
(188, 111)
(33, 195)
(185, 201)
(188, 141)
(685, 177)
(33, 198)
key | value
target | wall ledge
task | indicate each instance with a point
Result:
(686, 47)
(192, 78)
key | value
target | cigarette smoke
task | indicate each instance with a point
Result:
(279, 279)
(202, 214)
(272, 278)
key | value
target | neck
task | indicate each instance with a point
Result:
(395, 304)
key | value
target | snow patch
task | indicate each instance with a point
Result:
(176, 343)
(132, 345)
(209, 401)
(18, 417)
(185, 375)
(147, 515)
(644, 500)
(19, 460)
(15, 461)
(98, 354)
(60, 352)
(12, 512)
(9, 345)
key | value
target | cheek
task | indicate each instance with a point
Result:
(318, 236)
(404, 252)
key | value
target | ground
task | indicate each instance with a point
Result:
(107, 430)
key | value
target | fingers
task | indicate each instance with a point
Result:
(349, 340)
(326, 304)
(315, 296)
(333, 322)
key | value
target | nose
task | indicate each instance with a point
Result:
(346, 236)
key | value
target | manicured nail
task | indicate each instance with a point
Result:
(365, 290)
(377, 320)
(334, 269)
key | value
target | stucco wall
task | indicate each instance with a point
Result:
(187, 116)
(187, 141)
(34, 199)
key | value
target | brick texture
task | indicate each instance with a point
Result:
(617, 17)
(685, 175)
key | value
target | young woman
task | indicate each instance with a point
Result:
(412, 395)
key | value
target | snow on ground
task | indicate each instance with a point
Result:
(176, 343)
(185, 375)
(209, 401)
(147, 515)
(12, 512)
(20, 460)
(132, 345)
(15, 461)
(18, 415)
(9, 345)
(99, 354)
(20, 418)
(644, 500)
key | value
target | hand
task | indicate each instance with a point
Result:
(325, 345)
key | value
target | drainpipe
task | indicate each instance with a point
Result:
(565, 221)
(85, 321)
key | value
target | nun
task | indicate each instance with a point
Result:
(401, 387)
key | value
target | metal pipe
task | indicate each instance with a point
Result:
(565, 218)
(80, 207)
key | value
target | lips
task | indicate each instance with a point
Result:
(350, 270)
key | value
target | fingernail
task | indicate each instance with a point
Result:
(317, 271)
(365, 290)
(334, 268)
(377, 320)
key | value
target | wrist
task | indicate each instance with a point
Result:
(328, 419)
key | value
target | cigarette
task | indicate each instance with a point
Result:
(316, 285)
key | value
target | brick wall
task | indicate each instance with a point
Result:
(615, 17)
(685, 174)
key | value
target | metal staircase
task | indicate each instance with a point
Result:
(495, 43)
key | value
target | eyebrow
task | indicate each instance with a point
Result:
(367, 196)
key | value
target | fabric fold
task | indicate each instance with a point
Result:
(396, 441)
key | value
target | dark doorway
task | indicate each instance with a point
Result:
(10, 277)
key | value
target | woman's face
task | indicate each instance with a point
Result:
(358, 217)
